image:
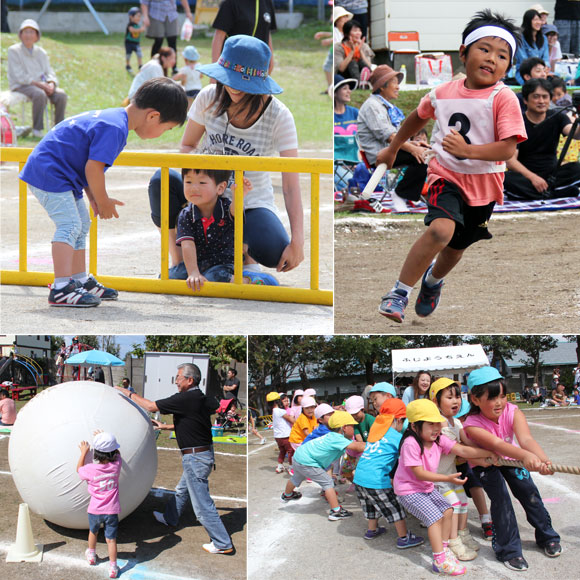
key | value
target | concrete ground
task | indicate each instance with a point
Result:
(147, 550)
(130, 246)
(296, 540)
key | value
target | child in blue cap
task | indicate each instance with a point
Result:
(492, 423)
(188, 74)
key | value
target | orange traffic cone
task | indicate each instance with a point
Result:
(24, 549)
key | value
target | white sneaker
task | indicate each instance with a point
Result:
(263, 442)
(91, 557)
(213, 550)
(280, 468)
(160, 518)
(37, 133)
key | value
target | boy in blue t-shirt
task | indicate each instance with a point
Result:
(311, 460)
(372, 478)
(74, 156)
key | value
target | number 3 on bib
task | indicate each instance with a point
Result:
(464, 127)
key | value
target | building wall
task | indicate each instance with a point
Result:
(439, 23)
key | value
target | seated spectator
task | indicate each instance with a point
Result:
(30, 73)
(534, 43)
(352, 55)
(558, 397)
(345, 145)
(551, 33)
(560, 96)
(535, 160)
(378, 122)
(531, 68)
(7, 408)
(159, 66)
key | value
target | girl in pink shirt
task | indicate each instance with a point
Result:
(421, 448)
(493, 423)
(103, 484)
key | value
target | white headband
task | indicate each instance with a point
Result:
(497, 31)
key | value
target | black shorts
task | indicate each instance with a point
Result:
(444, 200)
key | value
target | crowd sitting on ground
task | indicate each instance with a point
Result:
(423, 455)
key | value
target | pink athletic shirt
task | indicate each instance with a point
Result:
(405, 482)
(504, 428)
(7, 411)
(103, 480)
(483, 116)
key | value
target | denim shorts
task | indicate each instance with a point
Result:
(110, 521)
(69, 214)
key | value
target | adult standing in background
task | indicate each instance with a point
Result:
(240, 17)
(360, 9)
(567, 20)
(231, 385)
(160, 19)
(191, 411)
(30, 73)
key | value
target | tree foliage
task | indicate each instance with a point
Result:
(221, 349)
(533, 346)
(496, 346)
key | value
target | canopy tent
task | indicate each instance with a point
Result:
(95, 357)
(465, 357)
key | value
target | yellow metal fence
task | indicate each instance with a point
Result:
(163, 285)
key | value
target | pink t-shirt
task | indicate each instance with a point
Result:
(8, 411)
(504, 428)
(103, 480)
(477, 188)
(405, 482)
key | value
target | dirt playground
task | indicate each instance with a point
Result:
(524, 280)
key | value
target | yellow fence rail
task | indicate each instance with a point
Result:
(163, 285)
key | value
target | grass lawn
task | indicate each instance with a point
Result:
(91, 68)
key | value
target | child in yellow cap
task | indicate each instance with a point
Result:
(421, 449)
(312, 459)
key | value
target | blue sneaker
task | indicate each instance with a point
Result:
(372, 534)
(393, 305)
(409, 541)
(260, 278)
(428, 297)
(92, 286)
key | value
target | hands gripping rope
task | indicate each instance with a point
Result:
(554, 467)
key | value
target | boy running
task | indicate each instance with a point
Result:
(74, 156)
(478, 127)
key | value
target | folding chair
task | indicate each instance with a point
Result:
(346, 159)
(402, 43)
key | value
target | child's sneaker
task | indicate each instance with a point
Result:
(96, 288)
(290, 471)
(487, 528)
(467, 539)
(91, 557)
(260, 278)
(339, 515)
(428, 297)
(294, 495)
(393, 305)
(448, 567)
(113, 571)
(461, 551)
(73, 296)
(280, 468)
(518, 564)
(409, 541)
(372, 534)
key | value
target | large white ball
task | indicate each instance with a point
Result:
(44, 449)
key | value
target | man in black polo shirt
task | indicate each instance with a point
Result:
(191, 411)
(231, 385)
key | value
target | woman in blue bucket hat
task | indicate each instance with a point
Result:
(239, 116)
